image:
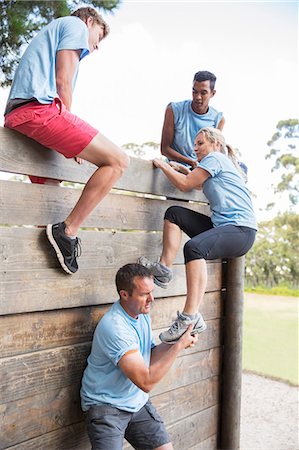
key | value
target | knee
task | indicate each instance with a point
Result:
(120, 162)
(171, 213)
(191, 251)
(124, 161)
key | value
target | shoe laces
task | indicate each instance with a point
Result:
(177, 324)
(78, 248)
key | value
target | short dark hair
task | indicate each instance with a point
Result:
(204, 75)
(126, 274)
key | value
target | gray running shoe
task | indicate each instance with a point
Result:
(179, 327)
(162, 275)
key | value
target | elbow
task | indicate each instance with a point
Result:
(146, 387)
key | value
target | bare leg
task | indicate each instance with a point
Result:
(165, 447)
(111, 162)
(196, 276)
(172, 237)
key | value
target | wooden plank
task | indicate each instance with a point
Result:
(25, 333)
(47, 289)
(19, 154)
(190, 368)
(195, 429)
(26, 375)
(207, 444)
(51, 204)
(54, 409)
(28, 249)
(187, 400)
(72, 437)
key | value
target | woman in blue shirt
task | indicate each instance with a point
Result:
(229, 232)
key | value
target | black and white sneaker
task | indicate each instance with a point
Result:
(67, 249)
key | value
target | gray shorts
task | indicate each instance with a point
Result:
(107, 427)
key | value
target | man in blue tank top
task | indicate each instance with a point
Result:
(184, 119)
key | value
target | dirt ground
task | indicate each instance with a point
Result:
(269, 414)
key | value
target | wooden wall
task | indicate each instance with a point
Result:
(48, 317)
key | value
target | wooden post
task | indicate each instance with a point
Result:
(232, 356)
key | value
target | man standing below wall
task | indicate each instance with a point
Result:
(124, 366)
(39, 106)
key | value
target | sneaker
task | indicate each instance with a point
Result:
(179, 327)
(162, 275)
(67, 249)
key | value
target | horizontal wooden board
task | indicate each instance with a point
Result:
(54, 409)
(26, 375)
(19, 154)
(72, 437)
(194, 430)
(47, 289)
(186, 433)
(207, 444)
(29, 332)
(28, 249)
(52, 204)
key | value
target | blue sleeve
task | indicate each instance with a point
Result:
(211, 164)
(74, 36)
(116, 340)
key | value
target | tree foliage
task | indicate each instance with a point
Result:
(273, 260)
(284, 152)
(20, 20)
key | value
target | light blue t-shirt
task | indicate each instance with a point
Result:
(229, 198)
(187, 124)
(103, 381)
(35, 76)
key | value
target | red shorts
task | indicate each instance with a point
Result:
(52, 126)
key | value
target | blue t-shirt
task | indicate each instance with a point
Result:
(187, 124)
(229, 198)
(35, 76)
(103, 381)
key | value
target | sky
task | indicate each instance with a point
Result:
(155, 48)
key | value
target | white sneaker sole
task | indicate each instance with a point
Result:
(57, 249)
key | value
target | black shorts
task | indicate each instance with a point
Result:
(209, 242)
(107, 427)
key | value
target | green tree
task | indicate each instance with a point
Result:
(284, 152)
(20, 20)
(273, 260)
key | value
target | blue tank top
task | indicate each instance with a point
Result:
(187, 124)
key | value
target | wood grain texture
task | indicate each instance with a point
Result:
(48, 289)
(51, 204)
(36, 331)
(19, 154)
(26, 375)
(55, 409)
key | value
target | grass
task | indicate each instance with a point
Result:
(277, 290)
(270, 336)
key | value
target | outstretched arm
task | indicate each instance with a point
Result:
(185, 183)
(162, 358)
(167, 140)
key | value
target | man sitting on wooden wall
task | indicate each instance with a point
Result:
(39, 106)
(124, 366)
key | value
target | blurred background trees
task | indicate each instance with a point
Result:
(20, 20)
